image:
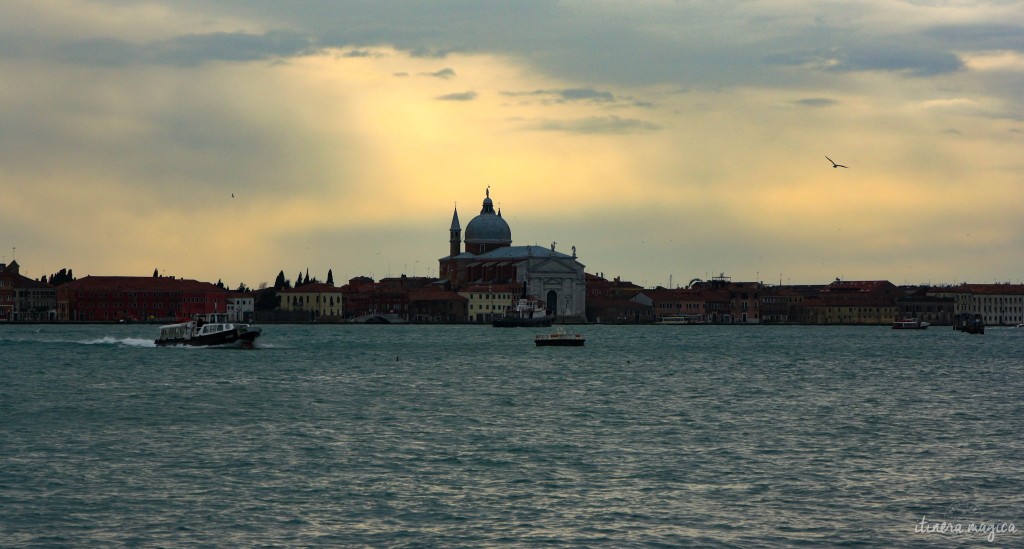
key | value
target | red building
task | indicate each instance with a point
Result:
(429, 305)
(137, 298)
(363, 297)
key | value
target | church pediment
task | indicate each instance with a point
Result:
(552, 265)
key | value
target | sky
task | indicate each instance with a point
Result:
(666, 140)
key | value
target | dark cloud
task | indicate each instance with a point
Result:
(857, 57)
(446, 74)
(359, 53)
(980, 36)
(433, 53)
(913, 59)
(816, 102)
(595, 43)
(596, 125)
(567, 95)
(193, 49)
(577, 94)
(188, 49)
(464, 96)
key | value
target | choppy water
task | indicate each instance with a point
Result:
(471, 436)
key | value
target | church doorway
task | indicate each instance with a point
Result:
(553, 302)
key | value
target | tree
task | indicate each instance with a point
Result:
(267, 301)
(280, 283)
(330, 277)
(298, 281)
(156, 273)
(61, 277)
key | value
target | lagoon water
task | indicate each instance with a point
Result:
(470, 436)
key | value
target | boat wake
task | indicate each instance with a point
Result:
(125, 341)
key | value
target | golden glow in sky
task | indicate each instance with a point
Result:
(639, 134)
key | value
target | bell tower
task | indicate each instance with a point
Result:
(455, 235)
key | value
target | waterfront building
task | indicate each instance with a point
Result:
(614, 310)
(815, 310)
(612, 302)
(690, 303)
(599, 286)
(432, 305)
(7, 280)
(486, 302)
(999, 304)
(23, 299)
(137, 298)
(241, 306)
(317, 302)
(852, 302)
(730, 302)
(704, 305)
(920, 303)
(779, 304)
(745, 302)
(488, 257)
(363, 298)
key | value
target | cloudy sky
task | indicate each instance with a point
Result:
(661, 138)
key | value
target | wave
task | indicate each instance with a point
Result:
(126, 341)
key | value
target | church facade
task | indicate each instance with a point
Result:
(486, 256)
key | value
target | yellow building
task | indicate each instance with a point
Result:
(487, 302)
(321, 301)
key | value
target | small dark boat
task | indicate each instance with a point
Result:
(560, 339)
(969, 323)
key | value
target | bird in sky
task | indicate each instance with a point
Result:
(834, 165)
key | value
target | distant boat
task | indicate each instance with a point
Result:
(527, 312)
(909, 324)
(680, 319)
(560, 338)
(208, 330)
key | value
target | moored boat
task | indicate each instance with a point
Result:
(680, 319)
(560, 338)
(208, 330)
(527, 312)
(909, 324)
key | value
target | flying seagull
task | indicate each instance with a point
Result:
(834, 165)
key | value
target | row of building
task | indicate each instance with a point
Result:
(483, 274)
(430, 300)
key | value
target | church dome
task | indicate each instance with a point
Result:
(487, 230)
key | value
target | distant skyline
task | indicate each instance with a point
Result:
(231, 139)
